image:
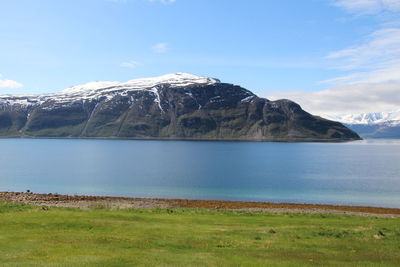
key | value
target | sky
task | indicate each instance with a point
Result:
(330, 56)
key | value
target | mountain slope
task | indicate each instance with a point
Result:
(174, 106)
(373, 125)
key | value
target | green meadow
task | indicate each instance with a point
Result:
(42, 236)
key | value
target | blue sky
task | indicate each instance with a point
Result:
(312, 51)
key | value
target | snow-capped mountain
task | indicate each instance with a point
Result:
(95, 90)
(179, 79)
(392, 118)
(372, 125)
(177, 106)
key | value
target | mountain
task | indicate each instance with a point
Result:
(373, 125)
(174, 106)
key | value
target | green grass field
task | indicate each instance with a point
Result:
(36, 236)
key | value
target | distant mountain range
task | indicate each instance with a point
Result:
(174, 106)
(373, 125)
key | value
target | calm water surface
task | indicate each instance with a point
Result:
(357, 173)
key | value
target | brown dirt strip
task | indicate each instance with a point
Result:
(85, 202)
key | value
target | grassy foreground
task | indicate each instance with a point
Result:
(41, 236)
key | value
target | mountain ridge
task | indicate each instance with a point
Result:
(373, 124)
(392, 117)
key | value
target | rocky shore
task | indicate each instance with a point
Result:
(88, 202)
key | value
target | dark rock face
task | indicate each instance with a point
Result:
(217, 111)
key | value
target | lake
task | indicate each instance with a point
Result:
(355, 173)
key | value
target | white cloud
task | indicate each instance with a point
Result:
(4, 83)
(346, 98)
(129, 64)
(368, 6)
(371, 79)
(160, 48)
(371, 84)
(376, 60)
(379, 50)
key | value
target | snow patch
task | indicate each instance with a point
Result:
(179, 79)
(247, 99)
(97, 90)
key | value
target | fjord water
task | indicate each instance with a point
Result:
(355, 173)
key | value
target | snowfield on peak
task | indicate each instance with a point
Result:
(179, 79)
(372, 118)
(94, 90)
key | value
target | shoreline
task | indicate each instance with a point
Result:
(88, 202)
(256, 140)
